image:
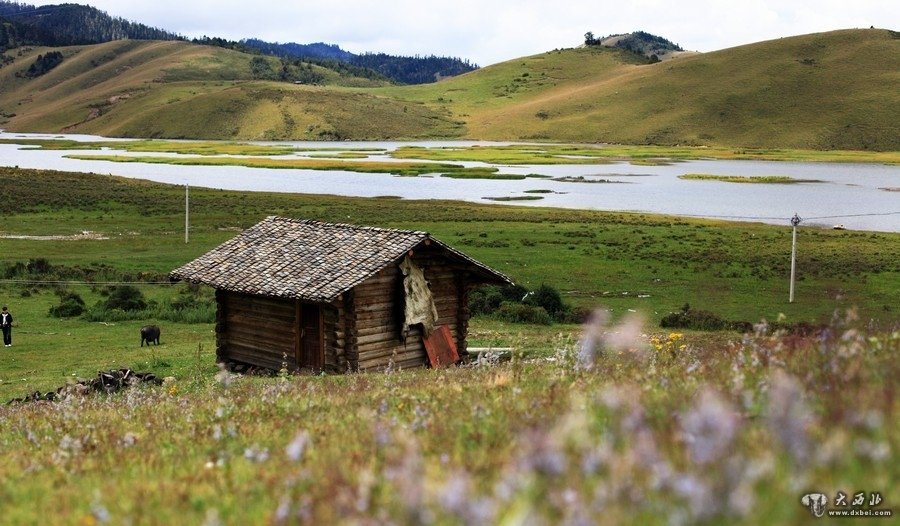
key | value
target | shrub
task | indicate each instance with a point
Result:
(126, 298)
(192, 304)
(486, 300)
(548, 298)
(39, 266)
(521, 313)
(514, 303)
(192, 296)
(70, 304)
(701, 320)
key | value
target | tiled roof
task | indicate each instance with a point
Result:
(308, 260)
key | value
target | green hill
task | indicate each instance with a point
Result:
(833, 90)
(176, 89)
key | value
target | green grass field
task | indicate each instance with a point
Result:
(640, 426)
(618, 261)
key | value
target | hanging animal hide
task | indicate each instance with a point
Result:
(419, 303)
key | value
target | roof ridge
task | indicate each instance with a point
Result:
(298, 220)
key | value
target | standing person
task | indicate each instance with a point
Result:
(6, 320)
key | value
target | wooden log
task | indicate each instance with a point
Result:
(376, 353)
(257, 298)
(252, 356)
(351, 354)
(251, 306)
(382, 291)
(378, 337)
(462, 315)
(381, 306)
(279, 341)
(239, 355)
(260, 316)
(261, 327)
(376, 281)
(377, 329)
(397, 354)
(376, 321)
(261, 312)
(221, 327)
(262, 347)
(380, 365)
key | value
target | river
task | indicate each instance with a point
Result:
(858, 196)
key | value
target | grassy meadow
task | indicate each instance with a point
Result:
(824, 91)
(617, 421)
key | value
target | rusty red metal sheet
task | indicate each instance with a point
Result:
(440, 347)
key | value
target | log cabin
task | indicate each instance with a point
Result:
(333, 297)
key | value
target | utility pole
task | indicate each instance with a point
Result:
(187, 213)
(794, 222)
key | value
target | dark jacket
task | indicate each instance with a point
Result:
(6, 321)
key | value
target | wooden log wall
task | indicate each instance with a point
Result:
(221, 328)
(258, 330)
(378, 318)
(335, 359)
(349, 332)
(463, 287)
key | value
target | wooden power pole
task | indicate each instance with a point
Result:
(794, 222)
(187, 212)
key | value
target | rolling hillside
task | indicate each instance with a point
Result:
(833, 90)
(175, 89)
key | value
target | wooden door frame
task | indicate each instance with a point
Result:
(298, 333)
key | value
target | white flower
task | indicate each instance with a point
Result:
(788, 415)
(709, 427)
(295, 449)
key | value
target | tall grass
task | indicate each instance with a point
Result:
(608, 428)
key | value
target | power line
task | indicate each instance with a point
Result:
(56, 282)
(782, 218)
(855, 215)
(704, 216)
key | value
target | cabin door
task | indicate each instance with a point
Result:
(310, 348)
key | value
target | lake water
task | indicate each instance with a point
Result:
(853, 192)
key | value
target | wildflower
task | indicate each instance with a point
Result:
(295, 449)
(699, 495)
(709, 427)
(224, 377)
(623, 338)
(406, 471)
(876, 451)
(421, 418)
(99, 511)
(255, 453)
(129, 439)
(456, 498)
(283, 511)
(590, 340)
(212, 518)
(788, 415)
